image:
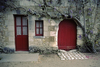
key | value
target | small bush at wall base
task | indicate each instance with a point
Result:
(49, 52)
(86, 49)
(42, 51)
(6, 50)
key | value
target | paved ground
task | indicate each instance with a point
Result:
(53, 60)
(19, 57)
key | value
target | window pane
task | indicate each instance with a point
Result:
(18, 20)
(37, 24)
(24, 19)
(24, 30)
(41, 25)
(18, 30)
(37, 31)
(41, 31)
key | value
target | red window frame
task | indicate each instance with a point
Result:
(21, 16)
(39, 27)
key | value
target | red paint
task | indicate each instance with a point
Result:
(67, 35)
(21, 40)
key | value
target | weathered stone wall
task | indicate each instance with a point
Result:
(79, 36)
(49, 40)
(7, 31)
(3, 31)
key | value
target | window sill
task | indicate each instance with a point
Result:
(39, 37)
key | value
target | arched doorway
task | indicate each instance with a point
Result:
(67, 34)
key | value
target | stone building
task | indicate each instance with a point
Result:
(23, 28)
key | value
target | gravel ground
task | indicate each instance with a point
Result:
(52, 60)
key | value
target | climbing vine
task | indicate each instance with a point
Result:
(51, 9)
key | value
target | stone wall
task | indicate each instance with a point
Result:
(7, 31)
(49, 40)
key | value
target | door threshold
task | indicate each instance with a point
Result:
(21, 52)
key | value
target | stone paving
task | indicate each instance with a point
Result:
(71, 55)
(19, 57)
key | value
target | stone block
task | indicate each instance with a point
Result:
(37, 40)
(53, 23)
(5, 43)
(51, 39)
(46, 21)
(6, 22)
(79, 42)
(11, 43)
(31, 42)
(46, 39)
(27, 3)
(11, 33)
(45, 28)
(10, 22)
(31, 34)
(10, 17)
(46, 33)
(52, 33)
(11, 38)
(38, 43)
(11, 46)
(31, 39)
(11, 28)
(45, 44)
(53, 44)
(6, 39)
(51, 28)
(79, 31)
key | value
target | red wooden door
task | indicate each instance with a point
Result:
(21, 33)
(67, 35)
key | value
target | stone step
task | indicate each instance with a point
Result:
(71, 55)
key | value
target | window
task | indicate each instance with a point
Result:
(38, 28)
(21, 25)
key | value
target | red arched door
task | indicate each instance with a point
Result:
(67, 35)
